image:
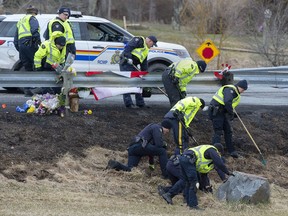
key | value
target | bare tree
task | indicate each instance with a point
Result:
(176, 20)
(152, 11)
(268, 30)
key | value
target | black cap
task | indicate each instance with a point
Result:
(63, 10)
(60, 41)
(202, 103)
(242, 84)
(166, 124)
(31, 9)
(219, 147)
(154, 39)
(201, 65)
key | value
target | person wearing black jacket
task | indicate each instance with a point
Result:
(221, 113)
(149, 142)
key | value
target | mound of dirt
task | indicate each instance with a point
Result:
(34, 143)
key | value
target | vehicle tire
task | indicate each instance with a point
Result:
(157, 68)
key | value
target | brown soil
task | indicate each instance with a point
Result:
(37, 142)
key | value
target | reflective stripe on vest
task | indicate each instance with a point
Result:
(141, 53)
(189, 106)
(68, 34)
(219, 97)
(203, 165)
(23, 26)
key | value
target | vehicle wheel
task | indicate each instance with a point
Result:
(157, 68)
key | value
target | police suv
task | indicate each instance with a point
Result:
(99, 43)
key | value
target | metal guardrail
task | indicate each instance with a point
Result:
(266, 75)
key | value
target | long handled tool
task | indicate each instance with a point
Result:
(156, 87)
(189, 134)
(263, 160)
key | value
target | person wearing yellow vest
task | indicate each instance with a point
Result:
(181, 115)
(177, 76)
(50, 52)
(60, 26)
(221, 107)
(135, 53)
(26, 41)
(201, 159)
(27, 37)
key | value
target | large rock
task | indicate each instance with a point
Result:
(246, 188)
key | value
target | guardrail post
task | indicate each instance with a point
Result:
(67, 85)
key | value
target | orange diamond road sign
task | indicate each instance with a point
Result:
(207, 51)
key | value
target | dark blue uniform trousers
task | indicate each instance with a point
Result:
(136, 151)
(176, 178)
(127, 97)
(190, 178)
(220, 124)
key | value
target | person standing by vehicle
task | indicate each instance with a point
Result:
(135, 53)
(149, 142)
(60, 26)
(181, 115)
(200, 159)
(27, 39)
(176, 77)
(221, 113)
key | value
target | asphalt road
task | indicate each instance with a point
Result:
(255, 95)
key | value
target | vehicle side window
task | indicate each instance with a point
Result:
(7, 29)
(102, 32)
(76, 30)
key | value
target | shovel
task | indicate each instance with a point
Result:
(262, 157)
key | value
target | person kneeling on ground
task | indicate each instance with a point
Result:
(175, 175)
(148, 142)
(201, 159)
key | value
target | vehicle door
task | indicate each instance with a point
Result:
(104, 46)
(9, 54)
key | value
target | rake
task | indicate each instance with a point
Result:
(264, 162)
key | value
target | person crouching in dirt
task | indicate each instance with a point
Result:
(148, 142)
(177, 180)
(201, 159)
(181, 115)
(221, 112)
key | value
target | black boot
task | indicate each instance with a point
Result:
(168, 198)
(112, 164)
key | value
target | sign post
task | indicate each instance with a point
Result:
(207, 51)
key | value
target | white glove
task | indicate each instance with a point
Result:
(197, 185)
(205, 108)
(130, 61)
